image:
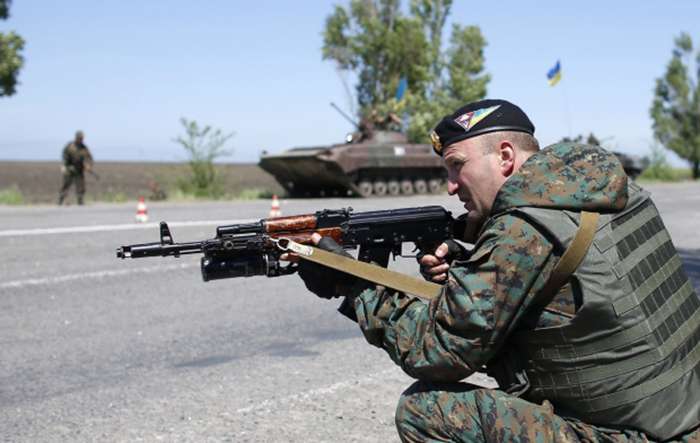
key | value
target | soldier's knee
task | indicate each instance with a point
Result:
(411, 411)
(439, 412)
(412, 401)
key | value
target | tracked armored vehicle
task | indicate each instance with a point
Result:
(632, 164)
(381, 164)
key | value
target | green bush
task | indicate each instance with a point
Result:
(11, 196)
(203, 146)
(213, 188)
(660, 170)
(667, 175)
(664, 173)
(180, 195)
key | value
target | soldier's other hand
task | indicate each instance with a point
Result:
(63, 169)
(324, 281)
(434, 267)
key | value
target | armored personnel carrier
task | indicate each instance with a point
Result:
(373, 163)
(632, 164)
(384, 164)
(367, 165)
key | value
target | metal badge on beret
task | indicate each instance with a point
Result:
(435, 138)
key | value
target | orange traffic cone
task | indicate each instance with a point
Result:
(275, 207)
(141, 211)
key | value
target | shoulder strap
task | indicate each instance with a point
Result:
(569, 261)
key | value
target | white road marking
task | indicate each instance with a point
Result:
(96, 274)
(122, 227)
(268, 405)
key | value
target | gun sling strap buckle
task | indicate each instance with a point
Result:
(568, 263)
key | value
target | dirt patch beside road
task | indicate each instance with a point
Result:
(40, 181)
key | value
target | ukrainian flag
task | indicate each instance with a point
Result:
(401, 89)
(554, 74)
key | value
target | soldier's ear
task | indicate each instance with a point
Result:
(506, 157)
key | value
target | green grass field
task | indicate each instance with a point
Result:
(25, 182)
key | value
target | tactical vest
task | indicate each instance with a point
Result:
(75, 158)
(629, 358)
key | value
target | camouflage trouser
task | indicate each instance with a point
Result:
(68, 179)
(458, 412)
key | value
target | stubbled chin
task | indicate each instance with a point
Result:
(474, 223)
(474, 216)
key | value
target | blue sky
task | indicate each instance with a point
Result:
(125, 72)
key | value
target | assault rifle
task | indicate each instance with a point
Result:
(248, 249)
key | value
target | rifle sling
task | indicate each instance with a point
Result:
(372, 272)
(568, 263)
(570, 259)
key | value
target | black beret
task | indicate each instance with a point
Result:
(479, 118)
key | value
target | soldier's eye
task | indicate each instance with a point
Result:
(454, 163)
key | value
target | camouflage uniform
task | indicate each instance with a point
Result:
(485, 304)
(76, 157)
(458, 412)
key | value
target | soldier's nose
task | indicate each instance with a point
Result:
(452, 187)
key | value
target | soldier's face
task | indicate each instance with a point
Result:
(473, 176)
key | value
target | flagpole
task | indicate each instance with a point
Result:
(566, 110)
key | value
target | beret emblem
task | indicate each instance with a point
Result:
(435, 138)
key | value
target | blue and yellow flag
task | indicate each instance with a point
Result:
(401, 89)
(554, 74)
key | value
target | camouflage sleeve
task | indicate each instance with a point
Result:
(458, 332)
(66, 156)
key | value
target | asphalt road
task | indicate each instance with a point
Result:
(98, 349)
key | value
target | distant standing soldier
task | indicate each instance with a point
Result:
(76, 161)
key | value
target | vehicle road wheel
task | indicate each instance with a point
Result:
(365, 188)
(394, 187)
(406, 187)
(379, 188)
(435, 186)
(420, 186)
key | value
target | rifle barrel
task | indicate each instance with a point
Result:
(158, 250)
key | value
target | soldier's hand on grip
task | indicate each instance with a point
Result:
(434, 267)
(321, 280)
